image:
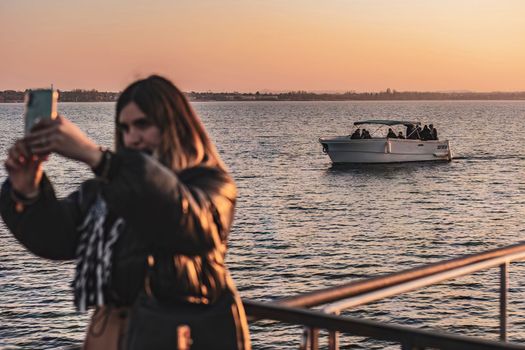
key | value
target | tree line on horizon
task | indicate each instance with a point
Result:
(80, 95)
(356, 96)
(76, 95)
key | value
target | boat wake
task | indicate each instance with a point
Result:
(489, 157)
(383, 168)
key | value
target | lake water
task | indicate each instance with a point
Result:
(302, 224)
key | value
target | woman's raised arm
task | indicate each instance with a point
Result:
(45, 225)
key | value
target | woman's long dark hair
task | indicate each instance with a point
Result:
(184, 142)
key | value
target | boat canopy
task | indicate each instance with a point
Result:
(387, 122)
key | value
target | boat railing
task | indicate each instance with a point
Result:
(292, 310)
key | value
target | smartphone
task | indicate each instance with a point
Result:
(40, 104)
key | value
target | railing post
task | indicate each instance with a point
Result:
(310, 339)
(333, 338)
(409, 346)
(503, 295)
(314, 345)
(305, 339)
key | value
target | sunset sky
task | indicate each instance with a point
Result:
(265, 45)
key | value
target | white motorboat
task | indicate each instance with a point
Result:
(379, 148)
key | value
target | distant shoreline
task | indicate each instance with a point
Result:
(9, 96)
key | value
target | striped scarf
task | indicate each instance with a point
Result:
(94, 256)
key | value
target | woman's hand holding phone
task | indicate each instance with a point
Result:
(63, 137)
(59, 135)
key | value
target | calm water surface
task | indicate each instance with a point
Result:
(302, 224)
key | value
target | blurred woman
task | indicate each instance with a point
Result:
(148, 232)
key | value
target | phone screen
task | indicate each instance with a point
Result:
(40, 104)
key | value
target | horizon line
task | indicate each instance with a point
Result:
(267, 91)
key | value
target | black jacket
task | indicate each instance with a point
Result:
(183, 219)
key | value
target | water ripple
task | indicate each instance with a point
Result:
(302, 223)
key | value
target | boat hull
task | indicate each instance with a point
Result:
(342, 149)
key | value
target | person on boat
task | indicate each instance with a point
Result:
(415, 135)
(365, 134)
(400, 135)
(433, 132)
(410, 130)
(153, 223)
(356, 134)
(425, 134)
(391, 134)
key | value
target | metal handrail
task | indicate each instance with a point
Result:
(365, 291)
(286, 309)
(366, 298)
(397, 289)
(328, 295)
(409, 337)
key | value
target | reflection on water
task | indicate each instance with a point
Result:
(384, 169)
(303, 224)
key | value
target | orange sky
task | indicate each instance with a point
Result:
(276, 45)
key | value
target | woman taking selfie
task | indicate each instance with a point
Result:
(148, 232)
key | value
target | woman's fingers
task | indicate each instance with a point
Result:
(62, 137)
(11, 165)
(45, 124)
(20, 159)
(23, 167)
(44, 140)
(22, 149)
(43, 144)
(41, 135)
(42, 150)
(19, 152)
(15, 155)
(32, 138)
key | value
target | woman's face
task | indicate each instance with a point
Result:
(138, 131)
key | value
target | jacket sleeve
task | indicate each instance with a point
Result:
(190, 212)
(48, 226)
